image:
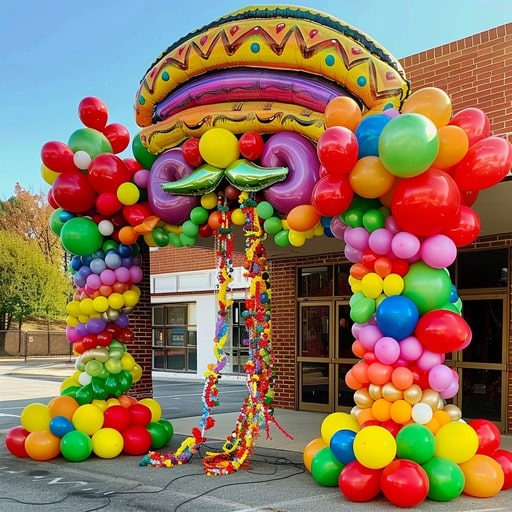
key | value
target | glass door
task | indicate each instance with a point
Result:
(482, 365)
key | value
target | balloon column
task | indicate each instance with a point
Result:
(98, 200)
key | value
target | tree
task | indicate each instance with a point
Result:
(29, 284)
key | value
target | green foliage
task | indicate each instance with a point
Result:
(29, 284)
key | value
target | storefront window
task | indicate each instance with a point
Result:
(174, 337)
(482, 269)
(315, 281)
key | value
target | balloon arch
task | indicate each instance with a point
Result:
(293, 125)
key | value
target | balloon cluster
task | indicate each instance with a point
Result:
(418, 173)
(105, 428)
(99, 201)
(411, 465)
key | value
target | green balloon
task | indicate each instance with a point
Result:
(168, 427)
(89, 140)
(325, 468)
(141, 154)
(189, 228)
(84, 395)
(408, 145)
(175, 240)
(273, 225)
(373, 219)
(281, 239)
(98, 387)
(76, 446)
(159, 436)
(415, 442)
(352, 217)
(55, 222)
(445, 477)
(70, 391)
(80, 236)
(362, 310)
(265, 210)
(429, 288)
(199, 215)
(160, 236)
(356, 297)
(186, 240)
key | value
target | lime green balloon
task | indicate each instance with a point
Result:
(199, 215)
(265, 210)
(141, 154)
(273, 225)
(89, 140)
(174, 240)
(356, 297)
(415, 442)
(362, 310)
(80, 236)
(408, 145)
(187, 241)
(445, 477)
(190, 228)
(429, 288)
(55, 222)
(373, 219)
(281, 239)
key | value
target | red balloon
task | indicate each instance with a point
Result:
(132, 165)
(190, 152)
(93, 113)
(140, 414)
(338, 150)
(359, 483)
(489, 436)
(205, 230)
(468, 197)
(404, 483)
(108, 204)
(73, 192)
(118, 136)
(137, 440)
(106, 172)
(251, 145)
(425, 204)
(332, 195)
(136, 213)
(485, 164)
(15, 441)
(104, 338)
(442, 330)
(51, 199)
(117, 417)
(125, 335)
(474, 122)
(466, 227)
(58, 157)
(504, 459)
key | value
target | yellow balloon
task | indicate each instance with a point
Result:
(369, 178)
(100, 304)
(456, 441)
(136, 372)
(337, 421)
(73, 308)
(128, 193)
(107, 443)
(72, 321)
(87, 306)
(393, 285)
(209, 201)
(127, 361)
(238, 217)
(297, 238)
(219, 147)
(88, 418)
(131, 298)
(154, 407)
(371, 285)
(48, 175)
(374, 447)
(35, 417)
(431, 102)
(116, 300)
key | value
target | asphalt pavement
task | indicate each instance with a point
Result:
(275, 480)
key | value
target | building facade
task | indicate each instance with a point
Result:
(310, 301)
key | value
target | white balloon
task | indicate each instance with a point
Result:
(84, 379)
(105, 227)
(81, 159)
(421, 413)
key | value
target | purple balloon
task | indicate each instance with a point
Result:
(123, 321)
(288, 149)
(95, 325)
(170, 166)
(357, 238)
(72, 335)
(337, 227)
(353, 255)
(122, 274)
(81, 329)
(380, 241)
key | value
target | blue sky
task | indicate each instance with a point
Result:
(56, 52)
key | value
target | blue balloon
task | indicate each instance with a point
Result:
(368, 133)
(342, 445)
(397, 316)
(60, 426)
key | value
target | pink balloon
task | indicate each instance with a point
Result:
(387, 350)
(379, 241)
(450, 391)
(369, 336)
(440, 377)
(410, 348)
(108, 277)
(136, 274)
(337, 227)
(93, 281)
(357, 238)
(353, 255)
(122, 274)
(391, 224)
(405, 245)
(429, 359)
(72, 335)
(141, 178)
(438, 251)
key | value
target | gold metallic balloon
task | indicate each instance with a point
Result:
(453, 411)
(362, 398)
(391, 393)
(375, 391)
(413, 394)
(354, 412)
(430, 397)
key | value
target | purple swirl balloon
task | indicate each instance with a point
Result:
(292, 150)
(170, 166)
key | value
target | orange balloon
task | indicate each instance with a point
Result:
(453, 146)
(63, 406)
(402, 378)
(381, 409)
(311, 449)
(484, 476)
(343, 111)
(379, 373)
(351, 381)
(401, 411)
(431, 102)
(433, 425)
(127, 235)
(303, 217)
(357, 349)
(369, 178)
(360, 371)
(364, 415)
(42, 445)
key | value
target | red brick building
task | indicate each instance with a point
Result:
(310, 286)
